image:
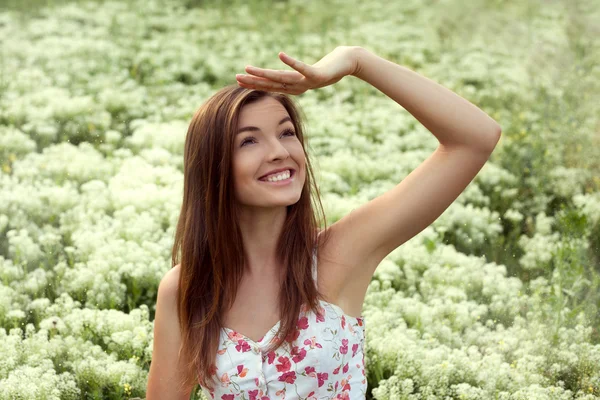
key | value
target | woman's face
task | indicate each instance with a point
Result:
(273, 145)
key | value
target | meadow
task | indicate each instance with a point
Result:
(498, 299)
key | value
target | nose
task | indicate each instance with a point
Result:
(276, 150)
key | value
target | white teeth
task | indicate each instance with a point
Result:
(279, 177)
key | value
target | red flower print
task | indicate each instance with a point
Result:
(288, 377)
(228, 397)
(284, 364)
(322, 377)
(346, 383)
(344, 346)
(225, 380)
(298, 355)
(271, 357)
(321, 315)
(242, 346)
(302, 323)
(256, 395)
(234, 336)
(354, 349)
(345, 369)
(343, 322)
(360, 321)
(312, 343)
(310, 371)
(242, 371)
(337, 370)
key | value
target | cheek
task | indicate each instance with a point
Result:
(300, 159)
(244, 168)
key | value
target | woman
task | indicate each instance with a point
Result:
(261, 305)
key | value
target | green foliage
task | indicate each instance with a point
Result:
(498, 298)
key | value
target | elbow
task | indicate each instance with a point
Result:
(497, 136)
(493, 139)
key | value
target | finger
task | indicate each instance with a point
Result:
(273, 88)
(253, 80)
(278, 76)
(259, 83)
(304, 69)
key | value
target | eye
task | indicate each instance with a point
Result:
(250, 138)
(290, 131)
(246, 140)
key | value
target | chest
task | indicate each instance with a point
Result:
(256, 306)
(325, 361)
(255, 309)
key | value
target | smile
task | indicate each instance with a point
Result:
(282, 182)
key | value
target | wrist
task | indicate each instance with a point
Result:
(358, 55)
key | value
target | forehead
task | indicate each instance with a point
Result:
(266, 111)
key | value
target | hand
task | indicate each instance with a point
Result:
(330, 69)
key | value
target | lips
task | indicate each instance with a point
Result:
(277, 171)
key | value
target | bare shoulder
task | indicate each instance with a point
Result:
(165, 366)
(170, 282)
(173, 273)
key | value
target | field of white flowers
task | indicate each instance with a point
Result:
(498, 299)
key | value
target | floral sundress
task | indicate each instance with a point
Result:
(326, 361)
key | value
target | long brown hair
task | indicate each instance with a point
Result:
(210, 241)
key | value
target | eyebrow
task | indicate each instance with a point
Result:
(254, 128)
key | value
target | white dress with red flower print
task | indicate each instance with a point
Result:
(325, 362)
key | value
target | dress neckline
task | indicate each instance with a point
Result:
(274, 327)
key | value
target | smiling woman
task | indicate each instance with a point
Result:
(245, 239)
(273, 148)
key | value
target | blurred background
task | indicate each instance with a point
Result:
(499, 298)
